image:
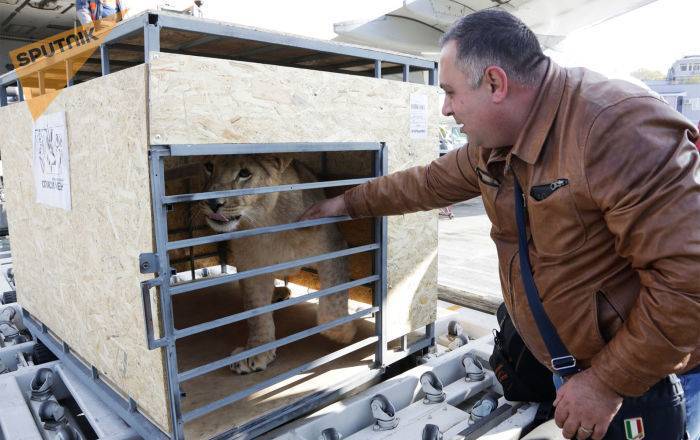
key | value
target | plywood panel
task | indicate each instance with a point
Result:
(77, 270)
(200, 100)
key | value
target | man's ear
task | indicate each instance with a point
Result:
(496, 80)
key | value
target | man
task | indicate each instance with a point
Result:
(611, 182)
(87, 11)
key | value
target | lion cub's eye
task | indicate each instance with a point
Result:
(244, 174)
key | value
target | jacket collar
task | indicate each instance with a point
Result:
(540, 120)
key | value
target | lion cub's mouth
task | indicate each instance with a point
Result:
(222, 219)
(219, 217)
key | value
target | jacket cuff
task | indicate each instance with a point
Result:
(621, 377)
(355, 203)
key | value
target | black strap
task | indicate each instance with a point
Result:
(562, 361)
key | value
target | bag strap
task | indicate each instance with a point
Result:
(562, 361)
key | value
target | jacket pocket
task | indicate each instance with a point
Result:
(609, 319)
(556, 225)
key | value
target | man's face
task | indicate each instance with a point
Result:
(469, 106)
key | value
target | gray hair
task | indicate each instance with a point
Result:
(495, 37)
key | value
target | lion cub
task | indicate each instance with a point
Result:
(259, 210)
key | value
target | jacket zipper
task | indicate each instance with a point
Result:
(558, 184)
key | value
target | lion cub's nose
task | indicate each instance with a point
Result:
(215, 204)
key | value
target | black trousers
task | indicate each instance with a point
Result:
(659, 414)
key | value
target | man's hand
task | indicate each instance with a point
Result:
(327, 208)
(585, 407)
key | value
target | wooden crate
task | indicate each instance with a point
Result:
(77, 271)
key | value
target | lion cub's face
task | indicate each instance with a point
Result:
(238, 172)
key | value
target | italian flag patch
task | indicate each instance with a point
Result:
(634, 428)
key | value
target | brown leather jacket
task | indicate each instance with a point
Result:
(615, 244)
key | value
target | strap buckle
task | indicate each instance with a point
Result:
(563, 363)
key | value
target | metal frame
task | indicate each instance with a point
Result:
(124, 407)
(161, 267)
(151, 23)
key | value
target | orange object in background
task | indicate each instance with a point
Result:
(44, 67)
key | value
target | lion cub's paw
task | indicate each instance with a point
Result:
(341, 334)
(252, 364)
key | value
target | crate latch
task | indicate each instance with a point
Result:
(148, 263)
(146, 287)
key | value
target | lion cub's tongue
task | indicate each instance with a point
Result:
(218, 217)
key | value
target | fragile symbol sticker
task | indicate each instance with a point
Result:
(51, 161)
(419, 116)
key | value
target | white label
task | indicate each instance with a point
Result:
(51, 166)
(419, 116)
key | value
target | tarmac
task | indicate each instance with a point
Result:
(467, 258)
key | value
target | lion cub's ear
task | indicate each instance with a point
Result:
(279, 161)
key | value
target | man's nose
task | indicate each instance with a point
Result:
(215, 204)
(446, 107)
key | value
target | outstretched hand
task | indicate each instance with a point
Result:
(585, 407)
(327, 208)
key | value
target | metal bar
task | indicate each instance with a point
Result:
(157, 175)
(113, 400)
(180, 244)
(430, 333)
(380, 266)
(209, 28)
(3, 96)
(151, 41)
(190, 230)
(222, 248)
(201, 284)
(324, 164)
(20, 91)
(146, 287)
(181, 198)
(432, 76)
(377, 68)
(189, 331)
(8, 78)
(125, 28)
(283, 147)
(104, 59)
(406, 72)
(213, 406)
(221, 363)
